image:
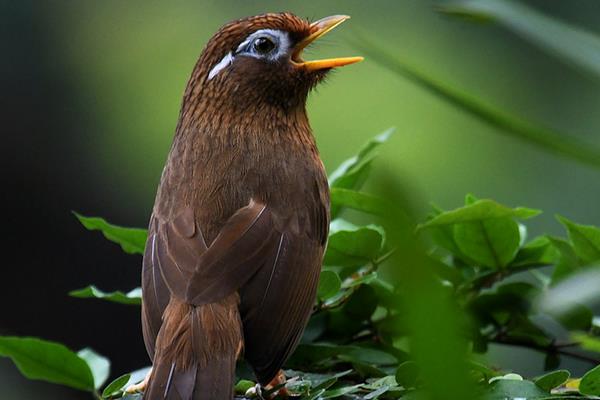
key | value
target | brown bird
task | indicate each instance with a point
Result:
(241, 216)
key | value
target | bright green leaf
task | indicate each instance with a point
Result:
(590, 383)
(329, 284)
(351, 245)
(478, 211)
(567, 262)
(492, 243)
(47, 361)
(587, 342)
(99, 365)
(132, 297)
(539, 251)
(552, 379)
(242, 386)
(131, 240)
(360, 201)
(116, 387)
(585, 239)
(347, 174)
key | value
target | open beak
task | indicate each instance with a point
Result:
(318, 29)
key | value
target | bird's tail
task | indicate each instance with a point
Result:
(196, 352)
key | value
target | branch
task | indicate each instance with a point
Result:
(554, 347)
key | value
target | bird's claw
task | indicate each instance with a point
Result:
(140, 387)
(255, 392)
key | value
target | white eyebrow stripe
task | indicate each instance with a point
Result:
(221, 65)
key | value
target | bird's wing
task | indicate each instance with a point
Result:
(277, 302)
(178, 262)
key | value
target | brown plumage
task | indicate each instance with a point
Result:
(241, 216)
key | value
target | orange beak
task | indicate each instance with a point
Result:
(318, 29)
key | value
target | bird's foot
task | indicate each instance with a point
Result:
(278, 383)
(140, 387)
(275, 388)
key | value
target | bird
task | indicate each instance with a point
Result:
(241, 215)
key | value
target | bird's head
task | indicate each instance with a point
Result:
(257, 62)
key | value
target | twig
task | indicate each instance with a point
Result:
(560, 348)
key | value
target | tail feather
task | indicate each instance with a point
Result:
(196, 352)
(211, 382)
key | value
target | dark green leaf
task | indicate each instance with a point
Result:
(329, 284)
(492, 243)
(407, 374)
(47, 361)
(564, 144)
(132, 240)
(99, 365)
(585, 239)
(552, 379)
(573, 45)
(361, 304)
(590, 383)
(334, 393)
(132, 297)
(353, 245)
(116, 387)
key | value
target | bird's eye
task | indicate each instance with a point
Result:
(263, 45)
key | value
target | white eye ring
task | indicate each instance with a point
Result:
(280, 39)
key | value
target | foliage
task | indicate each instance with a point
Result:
(405, 309)
(371, 334)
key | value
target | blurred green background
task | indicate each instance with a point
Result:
(91, 97)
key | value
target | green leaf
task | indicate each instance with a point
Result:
(587, 342)
(539, 251)
(491, 243)
(314, 353)
(132, 240)
(132, 297)
(480, 210)
(334, 393)
(47, 361)
(351, 245)
(116, 387)
(361, 304)
(573, 45)
(99, 365)
(503, 389)
(357, 200)
(585, 239)
(552, 379)
(407, 374)
(329, 284)
(567, 262)
(242, 386)
(347, 174)
(590, 383)
(564, 144)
